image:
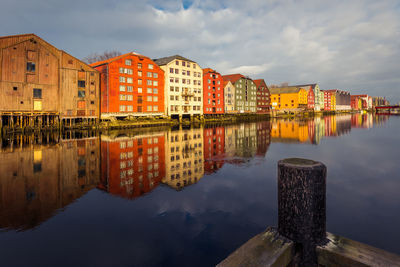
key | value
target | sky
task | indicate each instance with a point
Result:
(351, 45)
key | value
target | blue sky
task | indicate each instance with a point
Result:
(351, 45)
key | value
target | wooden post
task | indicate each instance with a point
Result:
(302, 205)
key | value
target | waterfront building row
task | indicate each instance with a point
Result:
(41, 85)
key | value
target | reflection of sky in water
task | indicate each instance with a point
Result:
(201, 224)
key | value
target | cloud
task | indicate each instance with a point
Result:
(352, 45)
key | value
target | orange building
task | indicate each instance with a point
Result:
(213, 92)
(132, 166)
(131, 85)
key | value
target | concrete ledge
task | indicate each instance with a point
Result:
(341, 251)
(265, 249)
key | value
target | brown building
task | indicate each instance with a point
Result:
(42, 85)
(263, 97)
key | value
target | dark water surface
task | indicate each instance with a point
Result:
(188, 197)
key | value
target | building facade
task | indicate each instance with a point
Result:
(288, 98)
(214, 149)
(343, 101)
(329, 101)
(245, 93)
(41, 85)
(263, 97)
(131, 85)
(367, 99)
(315, 87)
(213, 92)
(310, 99)
(183, 86)
(229, 97)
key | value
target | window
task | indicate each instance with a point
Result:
(171, 70)
(139, 81)
(37, 93)
(129, 97)
(171, 97)
(176, 71)
(81, 104)
(155, 83)
(155, 75)
(121, 79)
(122, 108)
(155, 91)
(140, 90)
(30, 66)
(149, 91)
(81, 93)
(149, 82)
(149, 98)
(122, 88)
(149, 108)
(139, 65)
(150, 66)
(155, 98)
(140, 100)
(128, 71)
(139, 73)
(155, 108)
(129, 108)
(128, 62)
(129, 88)
(177, 62)
(129, 80)
(171, 88)
(81, 84)
(122, 97)
(149, 74)
(15, 88)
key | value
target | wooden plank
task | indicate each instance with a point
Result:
(265, 249)
(341, 251)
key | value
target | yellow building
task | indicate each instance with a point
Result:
(333, 102)
(288, 98)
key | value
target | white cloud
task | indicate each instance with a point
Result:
(352, 45)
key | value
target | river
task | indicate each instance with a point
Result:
(188, 197)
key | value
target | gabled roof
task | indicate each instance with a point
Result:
(232, 77)
(208, 70)
(284, 90)
(107, 61)
(259, 82)
(165, 60)
(27, 36)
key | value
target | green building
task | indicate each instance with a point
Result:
(245, 93)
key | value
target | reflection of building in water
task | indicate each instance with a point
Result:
(343, 124)
(330, 125)
(132, 166)
(362, 120)
(246, 140)
(39, 177)
(183, 157)
(214, 149)
(263, 137)
(319, 130)
(230, 141)
(289, 131)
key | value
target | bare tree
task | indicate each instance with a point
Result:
(95, 57)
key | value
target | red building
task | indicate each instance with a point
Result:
(263, 96)
(310, 99)
(214, 149)
(131, 85)
(328, 102)
(132, 166)
(263, 138)
(213, 92)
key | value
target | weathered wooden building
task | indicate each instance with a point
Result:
(41, 85)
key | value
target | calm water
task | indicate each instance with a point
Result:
(188, 197)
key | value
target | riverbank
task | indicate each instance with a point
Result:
(146, 122)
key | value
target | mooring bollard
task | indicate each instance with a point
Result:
(302, 205)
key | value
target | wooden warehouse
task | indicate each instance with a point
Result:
(42, 86)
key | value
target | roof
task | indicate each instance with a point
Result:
(232, 77)
(165, 60)
(285, 90)
(258, 82)
(32, 35)
(107, 61)
(304, 85)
